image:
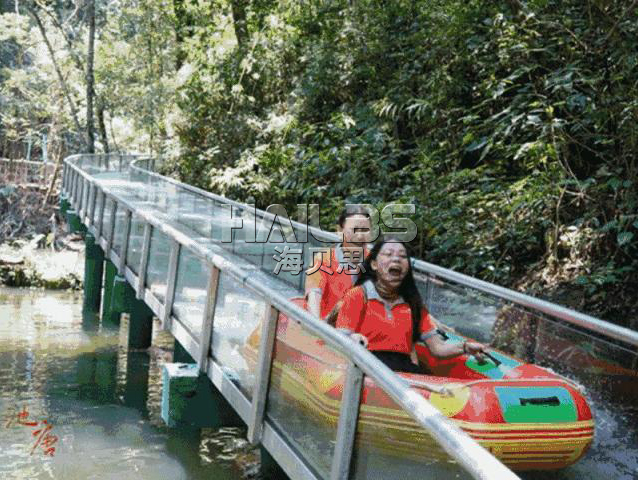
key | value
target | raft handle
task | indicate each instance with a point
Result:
(551, 401)
(441, 332)
(496, 361)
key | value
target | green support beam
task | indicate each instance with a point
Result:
(140, 315)
(109, 317)
(75, 225)
(65, 205)
(93, 272)
(122, 296)
(140, 327)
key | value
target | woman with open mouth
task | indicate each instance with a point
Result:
(385, 312)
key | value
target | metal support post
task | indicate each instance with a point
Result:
(260, 394)
(146, 249)
(170, 287)
(209, 316)
(125, 239)
(347, 423)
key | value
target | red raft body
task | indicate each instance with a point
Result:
(527, 416)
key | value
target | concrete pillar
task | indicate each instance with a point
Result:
(189, 399)
(93, 271)
(136, 389)
(140, 327)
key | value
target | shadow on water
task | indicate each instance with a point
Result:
(102, 401)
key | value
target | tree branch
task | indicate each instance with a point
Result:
(63, 84)
(624, 14)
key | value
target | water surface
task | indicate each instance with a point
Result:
(102, 402)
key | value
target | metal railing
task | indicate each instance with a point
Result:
(106, 203)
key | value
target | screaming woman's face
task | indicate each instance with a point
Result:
(391, 264)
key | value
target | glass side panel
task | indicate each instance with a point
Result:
(236, 328)
(285, 261)
(601, 365)
(251, 252)
(304, 397)
(466, 310)
(203, 208)
(157, 269)
(118, 235)
(263, 243)
(135, 243)
(107, 219)
(389, 444)
(99, 198)
(85, 197)
(531, 336)
(194, 212)
(190, 291)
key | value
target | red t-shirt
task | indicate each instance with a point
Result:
(333, 283)
(387, 328)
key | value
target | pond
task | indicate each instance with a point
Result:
(74, 404)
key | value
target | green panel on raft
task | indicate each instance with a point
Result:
(536, 404)
(488, 368)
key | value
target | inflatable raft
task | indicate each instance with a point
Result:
(527, 416)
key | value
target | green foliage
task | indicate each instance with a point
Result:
(510, 124)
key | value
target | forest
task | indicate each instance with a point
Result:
(510, 124)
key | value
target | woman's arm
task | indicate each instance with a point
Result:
(350, 314)
(315, 283)
(438, 347)
(441, 349)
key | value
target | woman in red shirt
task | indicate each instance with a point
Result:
(385, 311)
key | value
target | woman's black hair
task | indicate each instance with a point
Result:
(407, 289)
(351, 211)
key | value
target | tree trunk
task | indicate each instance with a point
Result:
(72, 51)
(63, 84)
(90, 79)
(183, 29)
(100, 124)
(79, 63)
(239, 21)
(53, 133)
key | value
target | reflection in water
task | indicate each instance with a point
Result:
(103, 402)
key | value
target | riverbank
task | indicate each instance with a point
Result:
(36, 249)
(26, 266)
